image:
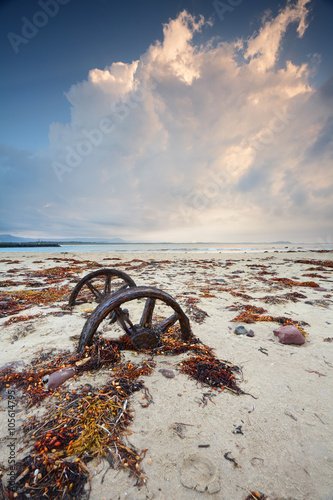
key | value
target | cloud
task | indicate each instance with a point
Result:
(263, 48)
(207, 142)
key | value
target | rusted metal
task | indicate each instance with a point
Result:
(106, 289)
(146, 333)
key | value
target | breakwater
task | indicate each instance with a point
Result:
(21, 244)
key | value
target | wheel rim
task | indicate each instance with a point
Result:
(106, 275)
(113, 304)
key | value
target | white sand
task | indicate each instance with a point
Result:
(286, 449)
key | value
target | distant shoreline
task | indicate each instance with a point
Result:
(58, 247)
(30, 244)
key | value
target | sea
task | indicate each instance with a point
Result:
(175, 247)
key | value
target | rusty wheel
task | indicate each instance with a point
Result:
(155, 310)
(99, 284)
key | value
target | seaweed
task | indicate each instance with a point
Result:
(14, 302)
(212, 372)
(196, 314)
(81, 426)
(316, 262)
(256, 495)
(248, 316)
(49, 477)
(288, 282)
(30, 380)
(19, 319)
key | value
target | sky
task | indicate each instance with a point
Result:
(175, 121)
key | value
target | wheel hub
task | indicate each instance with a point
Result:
(145, 338)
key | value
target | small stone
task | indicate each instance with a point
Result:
(86, 388)
(250, 333)
(240, 330)
(289, 334)
(167, 373)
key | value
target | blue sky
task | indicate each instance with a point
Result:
(179, 120)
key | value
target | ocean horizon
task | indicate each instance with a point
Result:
(174, 247)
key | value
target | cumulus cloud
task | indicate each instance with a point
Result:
(263, 48)
(206, 142)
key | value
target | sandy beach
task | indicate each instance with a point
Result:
(275, 440)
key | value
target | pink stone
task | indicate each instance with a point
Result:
(289, 334)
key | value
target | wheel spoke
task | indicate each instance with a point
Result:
(94, 290)
(166, 323)
(107, 285)
(122, 317)
(147, 314)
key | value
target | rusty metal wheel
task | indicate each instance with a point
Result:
(99, 284)
(152, 308)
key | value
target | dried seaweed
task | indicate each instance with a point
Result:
(294, 296)
(250, 317)
(212, 372)
(102, 353)
(14, 302)
(206, 293)
(7, 283)
(256, 495)
(315, 262)
(49, 477)
(54, 272)
(242, 295)
(81, 426)
(288, 282)
(19, 319)
(196, 314)
(278, 299)
(315, 275)
(254, 309)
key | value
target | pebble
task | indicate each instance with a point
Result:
(167, 373)
(86, 388)
(241, 330)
